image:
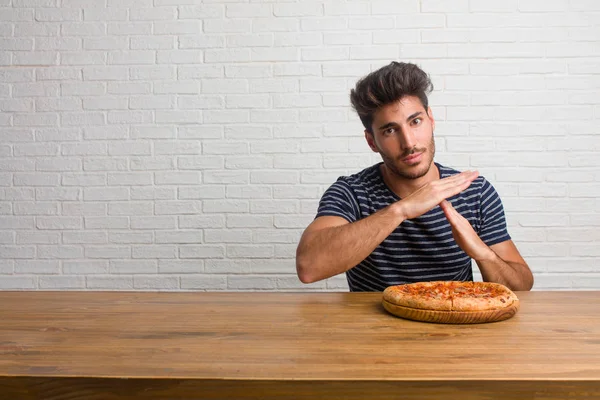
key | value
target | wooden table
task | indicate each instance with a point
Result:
(116, 345)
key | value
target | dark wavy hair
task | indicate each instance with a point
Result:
(388, 85)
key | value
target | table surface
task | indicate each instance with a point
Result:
(290, 336)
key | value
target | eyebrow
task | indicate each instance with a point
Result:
(390, 124)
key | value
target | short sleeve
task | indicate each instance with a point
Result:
(493, 222)
(339, 200)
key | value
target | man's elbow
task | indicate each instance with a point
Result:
(529, 282)
(306, 266)
(305, 278)
(304, 273)
(526, 282)
(522, 287)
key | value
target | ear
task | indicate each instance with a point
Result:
(371, 141)
(430, 114)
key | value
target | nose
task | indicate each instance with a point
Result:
(407, 140)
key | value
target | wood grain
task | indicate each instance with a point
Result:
(452, 317)
(259, 345)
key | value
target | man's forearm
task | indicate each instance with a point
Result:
(331, 251)
(515, 276)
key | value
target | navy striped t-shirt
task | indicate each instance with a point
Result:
(419, 249)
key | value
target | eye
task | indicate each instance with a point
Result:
(389, 131)
(417, 121)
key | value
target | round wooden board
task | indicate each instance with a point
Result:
(452, 317)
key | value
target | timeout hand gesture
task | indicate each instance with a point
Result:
(432, 193)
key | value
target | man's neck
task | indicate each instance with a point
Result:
(403, 186)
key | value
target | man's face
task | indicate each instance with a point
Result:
(403, 136)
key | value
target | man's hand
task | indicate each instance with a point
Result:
(432, 193)
(502, 263)
(464, 234)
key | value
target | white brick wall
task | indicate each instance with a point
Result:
(184, 144)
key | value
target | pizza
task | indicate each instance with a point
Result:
(451, 301)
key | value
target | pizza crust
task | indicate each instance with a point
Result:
(422, 295)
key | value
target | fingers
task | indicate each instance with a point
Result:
(448, 210)
(465, 177)
(434, 192)
(446, 206)
(453, 216)
(455, 184)
(431, 194)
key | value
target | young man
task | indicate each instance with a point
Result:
(407, 219)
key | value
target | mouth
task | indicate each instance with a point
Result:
(413, 158)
